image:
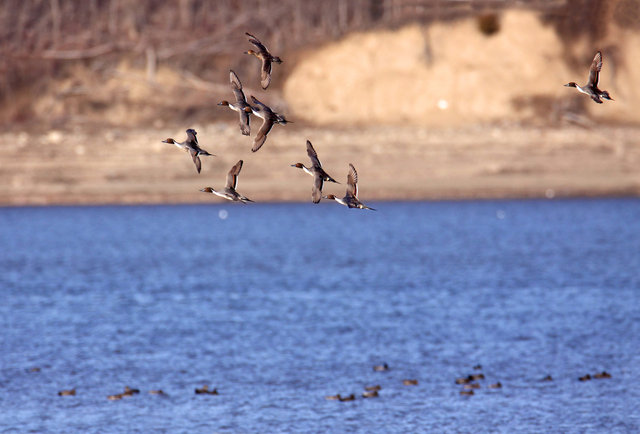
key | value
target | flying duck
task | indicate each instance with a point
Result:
(319, 175)
(230, 192)
(591, 88)
(269, 117)
(266, 58)
(241, 106)
(351, 197)
(191, 146)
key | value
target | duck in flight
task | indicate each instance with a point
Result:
(269, 117)
(591, 88)
(318, 173)
(265, 57)
(351, 197)
(191, 146)
(241, 105)
(230, 192)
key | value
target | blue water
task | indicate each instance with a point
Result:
(278, 306)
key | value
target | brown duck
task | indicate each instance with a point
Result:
(265, 57)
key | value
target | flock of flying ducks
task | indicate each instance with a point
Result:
(270, 118)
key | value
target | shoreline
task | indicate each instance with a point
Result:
(394, 163)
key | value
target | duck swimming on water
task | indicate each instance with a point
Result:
(591, 88)
(191, 146)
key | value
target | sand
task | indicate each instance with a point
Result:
(394, 163)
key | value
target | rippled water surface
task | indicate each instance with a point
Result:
(278, 306)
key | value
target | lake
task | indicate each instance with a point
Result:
(279, 305)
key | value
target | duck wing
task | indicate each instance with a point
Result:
(191, 137)
(244, 123)
(196, 159)
(255, 41)
(260, 138)
(265, 78)
(316, 192)
(236, 86)
(257, 102)
(313, 156)
(232, 176)
(352, 182)
(594, 70)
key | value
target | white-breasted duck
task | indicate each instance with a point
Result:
(241, 106)
(265, 57)
(230, 192)
(191, 146)
(269, 117)
(591, 88)
(315, 170)
(351, 196)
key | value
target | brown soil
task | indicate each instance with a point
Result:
(123, 166)
(451, 74)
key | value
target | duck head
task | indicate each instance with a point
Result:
(571, 84)
(224, 102)
(276, 59)
(298, 165)
(605, 95)
(329, 197)
(253, 53)
(207, 190)
(170, 141)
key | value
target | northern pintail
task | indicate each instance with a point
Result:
(467, 392)
(351, 197)
(204, 390)
(380, 368)
(68, 392)
(265, 57)
(591, 88)
(497, 385)
(410, 382)
(269, 117)
(372, 388)
(603, 374)
(129, 391)
(351, 397)
(319, 175)
(586, 377)
(241, 105)
(370, 394)
(191, 146)
(230, 192)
